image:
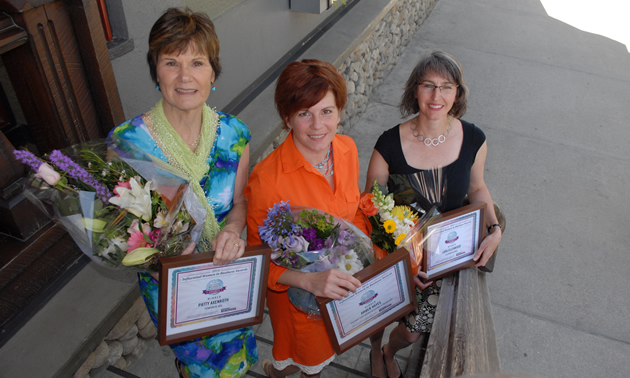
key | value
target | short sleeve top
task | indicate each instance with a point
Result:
(457, 173)
(218, 183)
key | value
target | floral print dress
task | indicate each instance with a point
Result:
(227, 354)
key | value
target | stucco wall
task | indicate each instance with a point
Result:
(254, 35)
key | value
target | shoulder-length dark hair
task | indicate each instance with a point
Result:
(442, 64)
(303, 84)
(178, 30)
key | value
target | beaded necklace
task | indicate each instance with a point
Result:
(326, 167)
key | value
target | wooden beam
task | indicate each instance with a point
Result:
(91, 40)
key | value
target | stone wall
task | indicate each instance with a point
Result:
(374, 58)
(124, 344)
(366, 67)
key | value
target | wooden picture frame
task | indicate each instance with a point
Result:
(361, 314)
(198, 298)
(453, 240)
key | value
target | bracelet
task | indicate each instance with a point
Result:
(493, 226)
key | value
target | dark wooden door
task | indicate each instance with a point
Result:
(50, 80)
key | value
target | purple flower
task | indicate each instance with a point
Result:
(279, 223)
(76, 172)
(346, 238)
(328, 242)
(295, 244)
(316, 245)
(309, 234)
(28, 158)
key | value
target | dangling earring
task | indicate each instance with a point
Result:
(213, 87)
(157, 87)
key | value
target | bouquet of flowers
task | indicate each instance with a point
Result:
(394, 226)
(310, 240)
(123, 213)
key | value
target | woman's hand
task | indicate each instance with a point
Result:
(228, 246)
(421, 280)
(488, 246)
(189, 249)
(330, 284)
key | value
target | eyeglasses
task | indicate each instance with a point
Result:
(447, 89)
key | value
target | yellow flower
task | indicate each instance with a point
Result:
(399, 238)
(402, 212)
(390, 226)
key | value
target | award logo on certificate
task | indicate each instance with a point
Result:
(198, 298)
(386, 294)
(453, 240)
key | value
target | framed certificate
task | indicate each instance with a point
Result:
(453, 240)
(386, 294)
(198, 298)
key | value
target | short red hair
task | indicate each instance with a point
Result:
(304, 84)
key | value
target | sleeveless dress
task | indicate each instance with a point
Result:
(458, 181)
(227, 354)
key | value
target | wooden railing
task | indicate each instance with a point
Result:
(462, 339)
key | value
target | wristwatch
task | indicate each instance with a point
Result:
(493, 226)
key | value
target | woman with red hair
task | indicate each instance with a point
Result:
(314, 167)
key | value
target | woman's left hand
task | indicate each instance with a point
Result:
(422, 280)
(487, 247)
(228, 246)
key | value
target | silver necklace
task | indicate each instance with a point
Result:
(430, 141)
(327, 165)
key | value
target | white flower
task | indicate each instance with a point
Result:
(146, 228)
(384, 215)
(160, 220)
(111, 248)
(180, 227)
(350, 257)
(137, 200)
(135, 226)
(48, 174)
(388, 203)
(350, 267)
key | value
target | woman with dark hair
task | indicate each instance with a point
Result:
(435, 137)
(314, 167)
(212, 148)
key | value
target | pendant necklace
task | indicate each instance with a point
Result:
(430, 141)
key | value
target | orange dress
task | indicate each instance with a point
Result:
(286, 176)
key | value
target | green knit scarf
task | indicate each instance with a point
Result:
(193, 164)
